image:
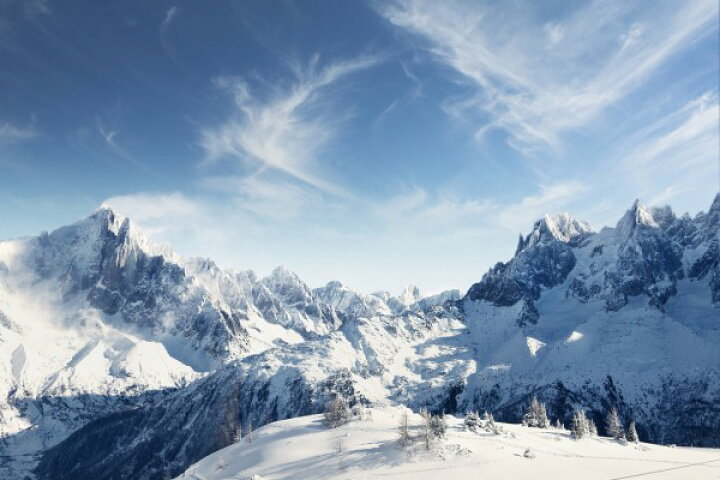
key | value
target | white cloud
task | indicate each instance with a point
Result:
(287, 130)
(693, 126)
(10, 133)
(268, 198)
(555, 33)
(148, 207)
(439, 214)
(537, 82)
(169, 17)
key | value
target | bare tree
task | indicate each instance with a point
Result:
(404, 430)
(428, 431)
(341, 451)
(249, 433)
(237, 434)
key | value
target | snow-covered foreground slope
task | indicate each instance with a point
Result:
(304, 448)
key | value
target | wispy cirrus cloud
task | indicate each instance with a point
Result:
(109, 138)
(170, 16)
(677, 153)
(535, 80)
(10, 133)
(287, 129)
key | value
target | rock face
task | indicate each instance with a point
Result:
(628, 317)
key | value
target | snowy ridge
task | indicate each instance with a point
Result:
(562, 228)
(370, 449)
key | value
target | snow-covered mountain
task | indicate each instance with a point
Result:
(627, 317)
(370, 449)
(96, 313)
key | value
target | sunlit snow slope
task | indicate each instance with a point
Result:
(304, 448)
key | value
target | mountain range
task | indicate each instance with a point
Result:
(120, 359)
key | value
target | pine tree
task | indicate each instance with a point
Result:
(544, 421)
(472, 421)
(632, 435)
(613, 425)
(558, 425)
(579, 428)
(592, 429)
(337, 412)
(490, 425)
(404, 431)
(438, 425)
(536, 415)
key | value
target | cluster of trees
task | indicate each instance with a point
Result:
(581, 426)
(433, 428)
(536, 415)
(338, 413)
(474, 422)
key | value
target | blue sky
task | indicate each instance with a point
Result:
(378, 143)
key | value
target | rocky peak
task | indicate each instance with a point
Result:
(562, 227)
(410, 295)
(638, 216)
(334, 285)
(712, 218)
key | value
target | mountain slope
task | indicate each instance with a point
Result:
(305, 448)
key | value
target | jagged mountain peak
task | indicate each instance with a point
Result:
(410, 295)
(562, 227)
(281, 272)
(109, 218)
(637, 216)
(105, 225)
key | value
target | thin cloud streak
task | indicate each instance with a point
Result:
(538, 82)
(10, 133)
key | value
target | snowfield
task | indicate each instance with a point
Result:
(304, 448)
